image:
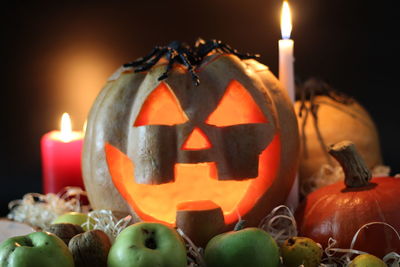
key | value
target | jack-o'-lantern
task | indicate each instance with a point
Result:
(154, 147)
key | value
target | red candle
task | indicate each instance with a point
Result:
(61, 158)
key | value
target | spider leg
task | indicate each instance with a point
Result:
(171, 57)
(142, 60)
(150, 63)
(189, 67)
(183, 58)
(203, 48)
(227, 49)
(199, 41)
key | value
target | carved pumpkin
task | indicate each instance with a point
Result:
(152, 146)
(327, 119)
(339, 210)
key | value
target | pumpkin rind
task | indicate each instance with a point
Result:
(116, 108)
(337, 212)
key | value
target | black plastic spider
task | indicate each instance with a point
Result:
(174, 52)
(177, 52)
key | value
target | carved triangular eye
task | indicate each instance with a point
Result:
(161, 108)
(237, 106)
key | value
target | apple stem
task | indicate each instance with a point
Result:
(239, 225)
(356, 172)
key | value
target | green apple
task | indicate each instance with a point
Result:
(247, 247)
(148, 244)
(73, 217)
(298, 251)
(367, 260)
(38, 249)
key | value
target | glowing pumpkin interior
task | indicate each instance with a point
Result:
(197, 140)
(196, 183)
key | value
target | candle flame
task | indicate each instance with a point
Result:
(286, 21)
(66, 128)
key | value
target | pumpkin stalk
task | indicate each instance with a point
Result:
(356, 172)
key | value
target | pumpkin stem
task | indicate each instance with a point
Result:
(356, 172)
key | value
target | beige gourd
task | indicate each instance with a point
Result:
(336, 117)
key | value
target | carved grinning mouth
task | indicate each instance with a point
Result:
(193, 182)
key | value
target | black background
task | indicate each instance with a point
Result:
(351, 44)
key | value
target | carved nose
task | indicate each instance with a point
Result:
(197, 140)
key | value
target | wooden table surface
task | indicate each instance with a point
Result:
(10, 228)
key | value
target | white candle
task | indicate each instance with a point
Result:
(286, 60)
(286, 77)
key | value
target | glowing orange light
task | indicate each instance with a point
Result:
(161, 108)
(85, 68)
(193, 183)
(237, 106)
(197, 140)
(197, 205)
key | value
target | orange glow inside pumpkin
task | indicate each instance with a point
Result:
(197, 205)
(161, 108)
(193, 183)
(236, 107)
(197, 140)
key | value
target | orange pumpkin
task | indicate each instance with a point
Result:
(231, 142)
(339, 210)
